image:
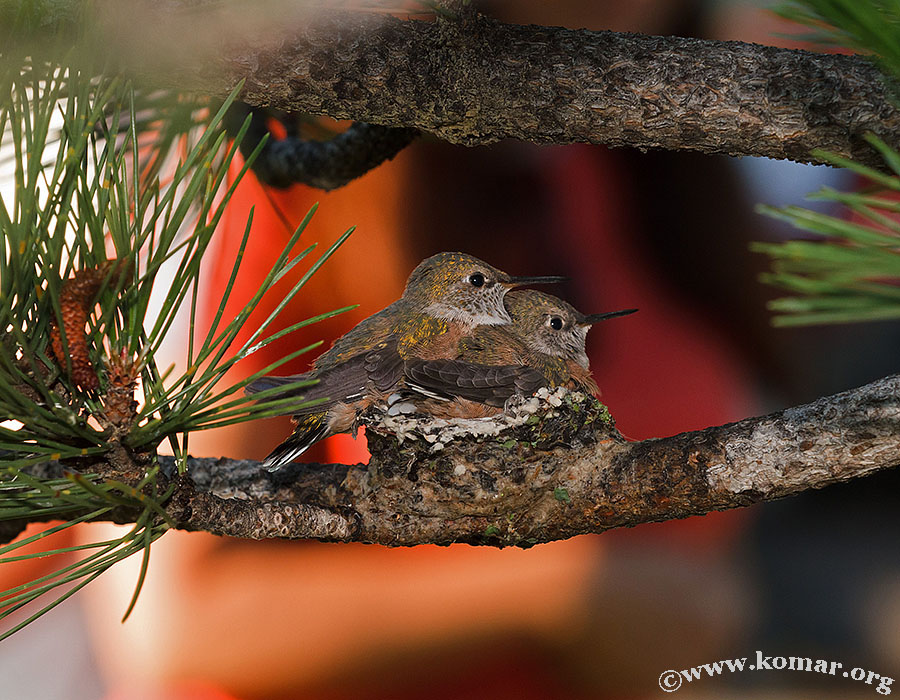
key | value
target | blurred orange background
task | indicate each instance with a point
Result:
(591, 617)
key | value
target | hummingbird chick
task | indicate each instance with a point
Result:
(544, 346)
(446, 297)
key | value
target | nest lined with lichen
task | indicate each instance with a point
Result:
(550, 418)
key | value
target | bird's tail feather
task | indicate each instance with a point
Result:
(310, 429)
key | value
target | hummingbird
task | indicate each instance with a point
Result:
(544, 346)
(446, 297)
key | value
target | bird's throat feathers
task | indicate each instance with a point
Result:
(469, 316)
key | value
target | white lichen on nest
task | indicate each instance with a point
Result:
(440, 431)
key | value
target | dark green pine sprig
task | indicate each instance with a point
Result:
(95, 181)
(850, 270)
(854, 273)
(868, 26)
(75, 498)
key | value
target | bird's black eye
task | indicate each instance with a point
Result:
(476, 279)
(556, 323)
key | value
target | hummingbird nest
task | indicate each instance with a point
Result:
(487, 469)
(547, 419)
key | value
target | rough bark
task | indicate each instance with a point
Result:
(561, 471)
(555, 473)
(477, 81)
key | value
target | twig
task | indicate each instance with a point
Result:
(326, 165)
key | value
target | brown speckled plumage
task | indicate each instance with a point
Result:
(440, 306)
(544, 346)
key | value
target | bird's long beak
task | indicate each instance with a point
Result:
(596, 318)
(522, 281)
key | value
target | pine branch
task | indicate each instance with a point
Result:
(549, 478)
(480, 81)
(78, 344)
(472, 80)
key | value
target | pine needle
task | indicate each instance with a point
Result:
(100, 164)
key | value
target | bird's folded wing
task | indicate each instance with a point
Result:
(487, 384)
(384, 366)
(349, 381)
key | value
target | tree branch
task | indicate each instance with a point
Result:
(550, 470)
(477, 81)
